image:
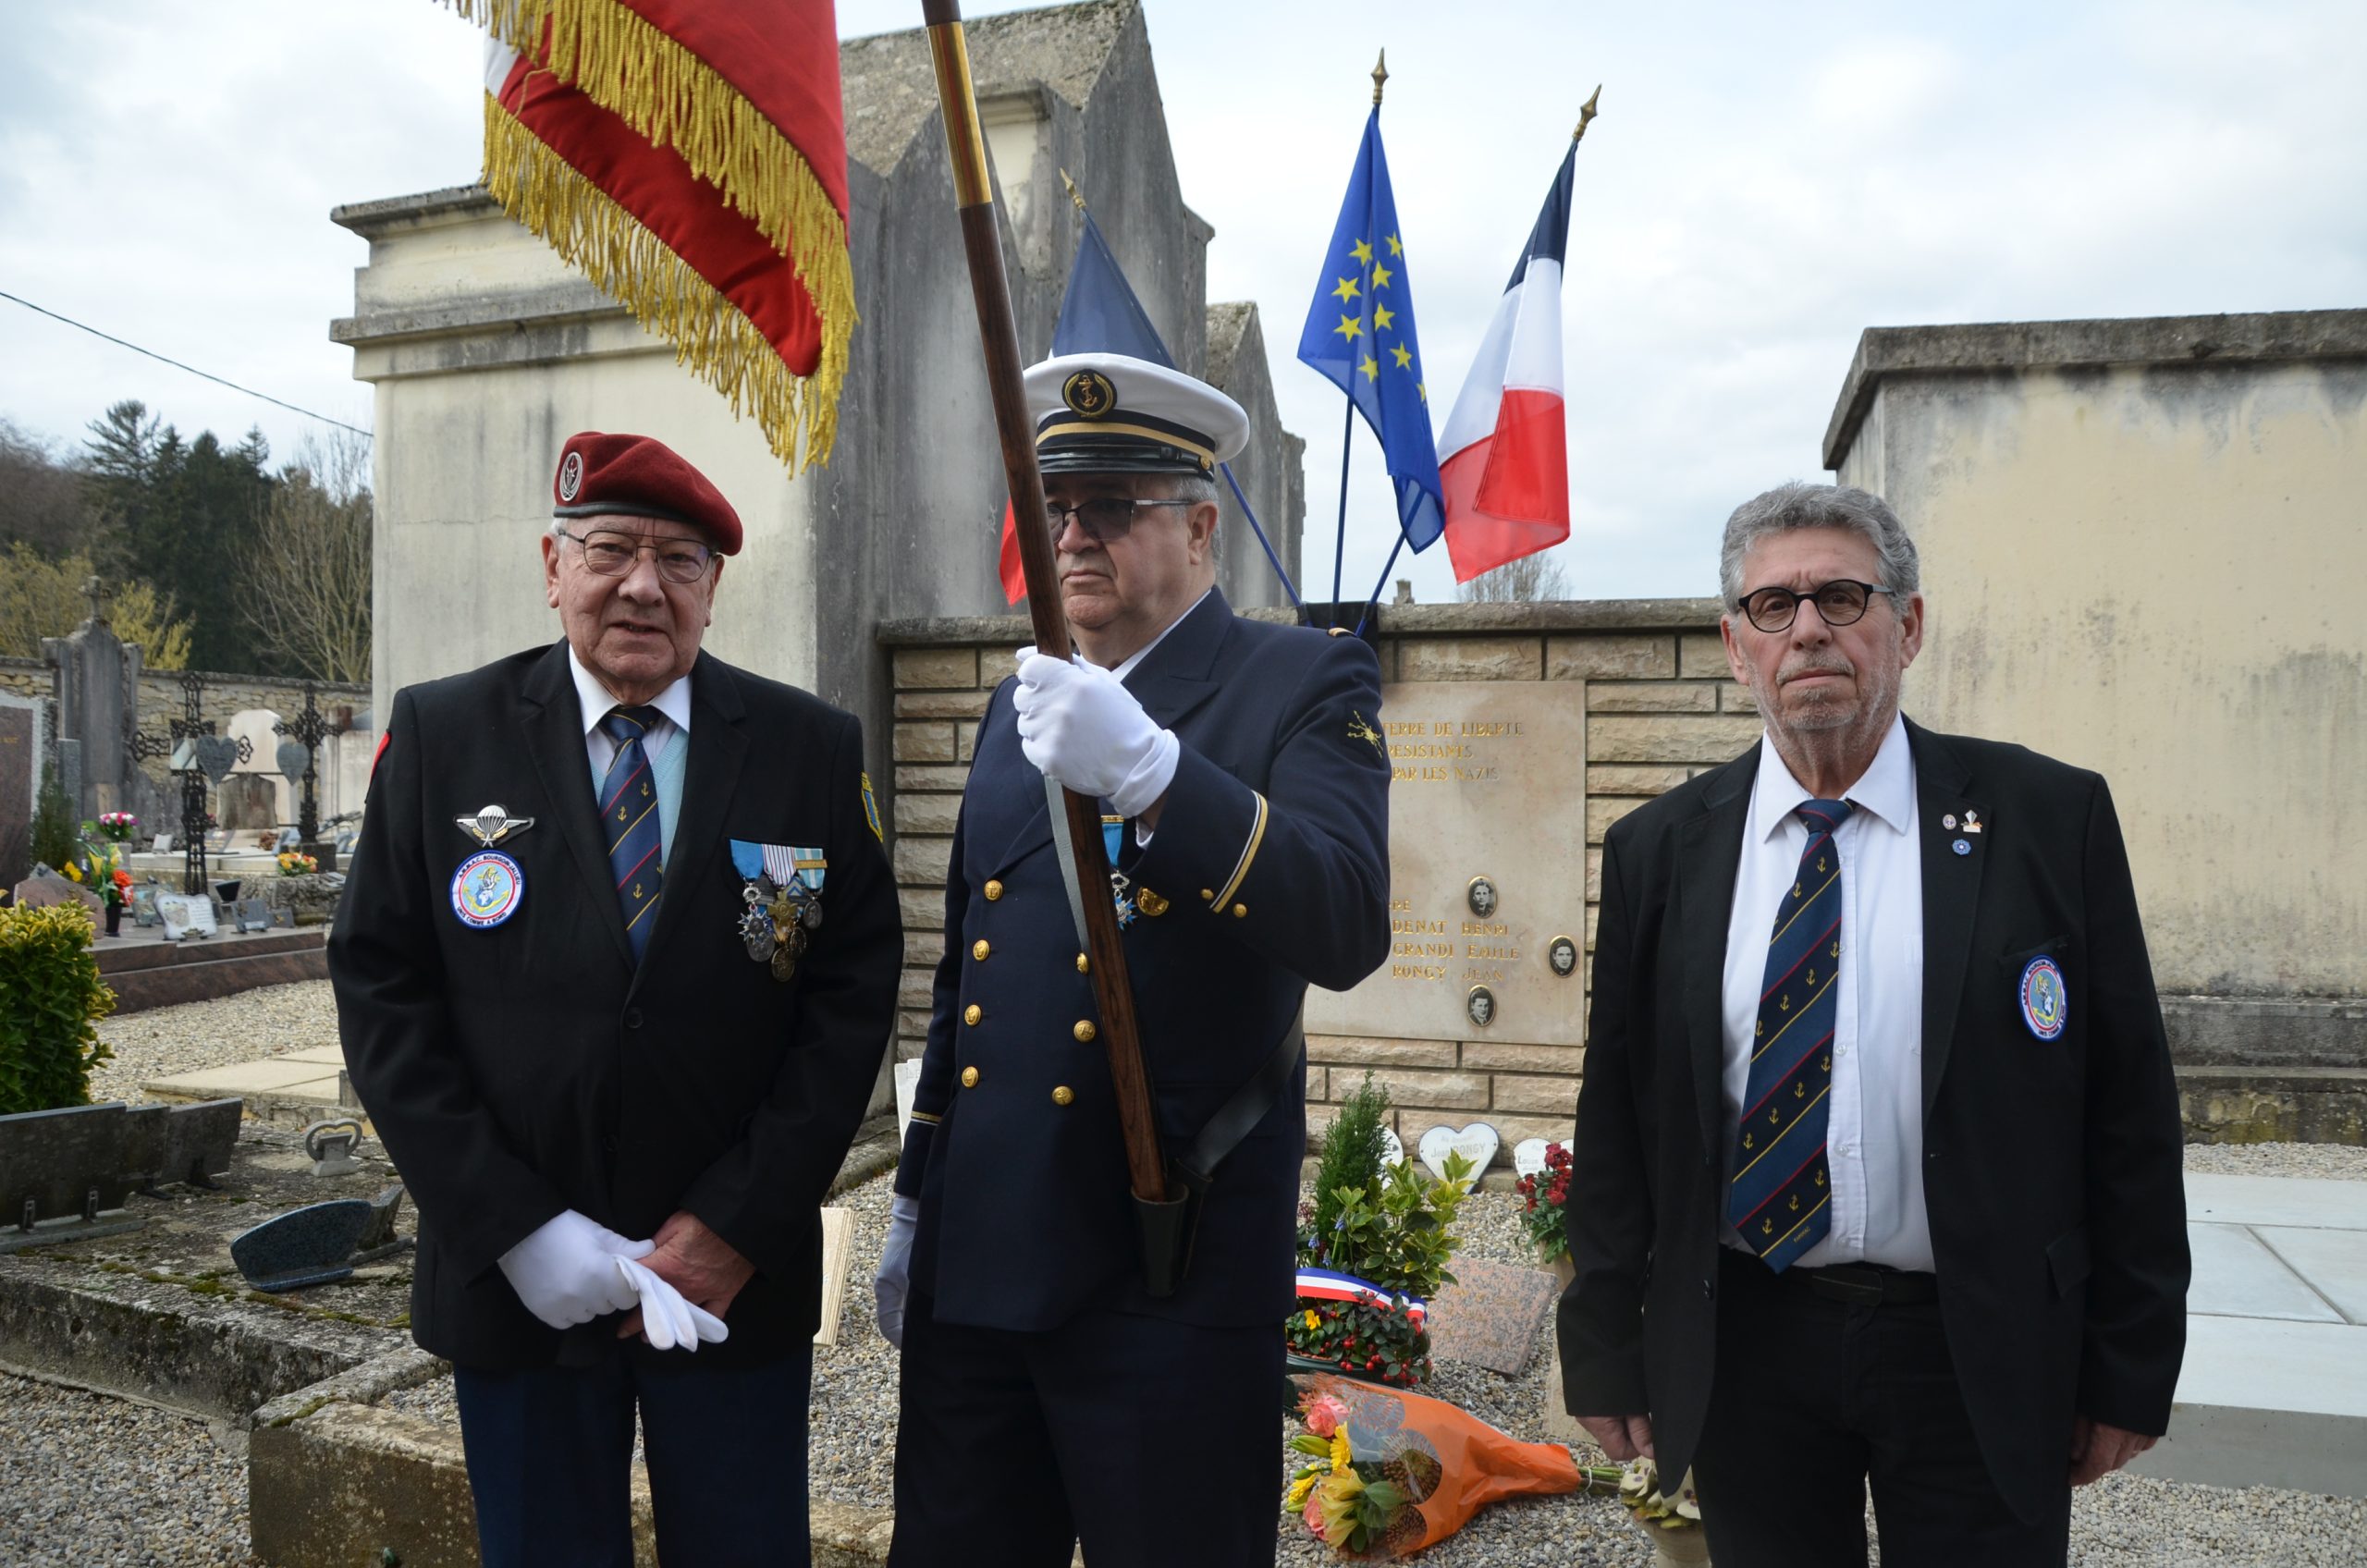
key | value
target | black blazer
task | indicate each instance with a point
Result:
(2052, 1168)
(528, 1068)
(1270, 872)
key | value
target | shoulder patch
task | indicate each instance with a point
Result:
(384, 736)
(871, 810)
(1360, 730)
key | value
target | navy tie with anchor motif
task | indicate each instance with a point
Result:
(629, 813)
(1782, 1195)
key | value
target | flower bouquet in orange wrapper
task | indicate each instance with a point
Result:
(1390, 1472)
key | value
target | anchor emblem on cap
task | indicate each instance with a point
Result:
(493, 823)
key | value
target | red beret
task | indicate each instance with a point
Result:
(637, 476)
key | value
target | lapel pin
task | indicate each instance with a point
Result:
(1949, 822)
(1971, 820)
(1962, 846)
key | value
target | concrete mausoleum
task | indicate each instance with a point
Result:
(486, 352)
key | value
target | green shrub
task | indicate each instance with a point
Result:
(51, 997)
(1352, 1156)
(55, 839)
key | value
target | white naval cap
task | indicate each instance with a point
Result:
(1113, 413)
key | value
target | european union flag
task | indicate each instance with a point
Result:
(1360, 333)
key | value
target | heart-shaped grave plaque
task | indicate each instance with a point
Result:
(1528, 1157)
(293, 758)
(216, 754)
(1476, 1143)
(1393, 1147)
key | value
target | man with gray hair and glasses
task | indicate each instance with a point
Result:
(1879, 1144)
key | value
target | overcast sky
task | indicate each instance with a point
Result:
(1763, 183)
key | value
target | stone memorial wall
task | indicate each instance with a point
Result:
(1519, 732)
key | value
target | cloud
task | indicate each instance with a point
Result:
(1763, 183)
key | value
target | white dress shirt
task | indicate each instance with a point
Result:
(597, 700)
(1875, 1131)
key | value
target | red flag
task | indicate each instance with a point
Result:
(1504, 459)
(690, 159)
(1007, 567)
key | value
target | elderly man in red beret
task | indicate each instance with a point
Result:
(614, 972)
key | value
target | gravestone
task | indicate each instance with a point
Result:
(19, 781)
(255, 726)
(98, 690)
(64, 1174)
(378, 1237)
(312, 1245)
(254, 914)
(1476, 1142)
(45, 888)
(331, 1145)
(1490, 1314)
(247, 803)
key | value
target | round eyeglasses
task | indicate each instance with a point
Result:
(1840, 601)
(1104, 518)
(611, 553)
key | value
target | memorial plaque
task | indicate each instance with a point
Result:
(1487, 867)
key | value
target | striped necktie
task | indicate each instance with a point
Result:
(628, 811)
(1781, 1197)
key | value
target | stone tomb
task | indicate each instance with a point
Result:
(64, 1174)
(1486, 864)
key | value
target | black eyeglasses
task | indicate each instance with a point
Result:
(1840, 601)
(1104, 518)
(612, 554)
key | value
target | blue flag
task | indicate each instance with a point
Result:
(1101, 314)
(1360, 333)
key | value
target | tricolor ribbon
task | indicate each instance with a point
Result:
(1323, 1284)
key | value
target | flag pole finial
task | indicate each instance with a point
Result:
(1380, 76)
(1586, 112)
(1078, 196)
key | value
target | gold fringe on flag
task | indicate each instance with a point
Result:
(665, 293)
(620, 62)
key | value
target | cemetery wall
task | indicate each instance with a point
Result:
(1647, 678)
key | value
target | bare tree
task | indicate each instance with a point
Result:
(1529, 579)
(309, 599)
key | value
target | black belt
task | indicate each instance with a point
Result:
(1864, 1284)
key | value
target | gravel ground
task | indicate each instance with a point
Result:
(196, 1035)
(93, 1480)
(2339, 1162)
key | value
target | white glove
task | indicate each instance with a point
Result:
(1079, 726)
(565, 1272)
(667, 1318)
(893, 1282)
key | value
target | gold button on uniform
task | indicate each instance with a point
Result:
(994, 891)
(978, 950)
(972, 1013)
(969, 1077)
(1241, 911)
(1208, 894)
(1084, 1030)
(1063, 1094)
(1083, 964)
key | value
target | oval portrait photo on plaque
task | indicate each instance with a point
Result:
(1480, 1005)
(1481, 895)
(1562, 956)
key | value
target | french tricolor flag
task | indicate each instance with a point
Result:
(1503, 458)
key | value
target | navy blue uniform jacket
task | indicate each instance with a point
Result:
(531, 1067)
(1269, 871)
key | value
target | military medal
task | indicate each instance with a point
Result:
(490, 825)
(755, 922)
(1113, 834)
(794, 876)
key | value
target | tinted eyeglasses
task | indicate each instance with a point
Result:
(1840, 601)
(610, 553)
(1103, 518)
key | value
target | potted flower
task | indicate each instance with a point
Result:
(1374, 1244)
(295, 863)
(100, 866)
(117, 825)
(1544, 1195)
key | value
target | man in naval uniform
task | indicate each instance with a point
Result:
(1047, 1397)
(614, 975)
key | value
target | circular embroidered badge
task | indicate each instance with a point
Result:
(1088, 394)
(571, 476)
(2046, 1001)
(487, 889)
